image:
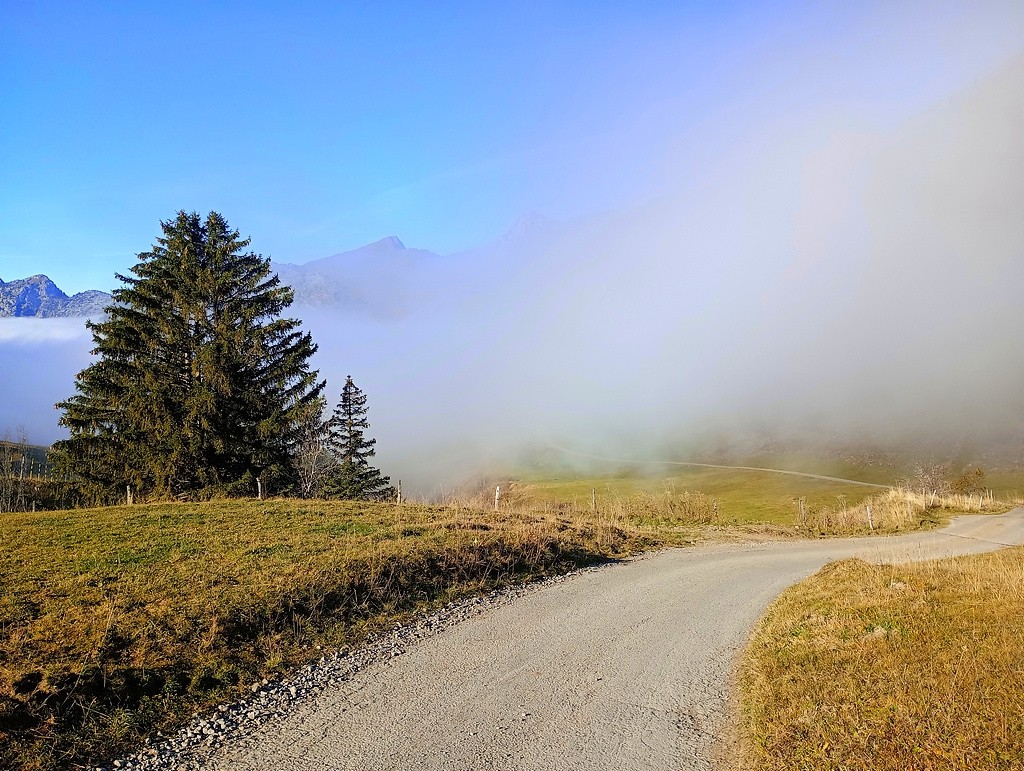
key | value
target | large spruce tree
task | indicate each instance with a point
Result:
(352, 475)
(200, 386)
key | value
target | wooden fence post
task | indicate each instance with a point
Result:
(497, 496)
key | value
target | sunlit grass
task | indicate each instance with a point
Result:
(742, 497)
(739, 497)
(119, 621)
(879, 667)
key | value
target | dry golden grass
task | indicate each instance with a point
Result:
(898, 510)
(638, 509)
(879, 667)
(119, 621)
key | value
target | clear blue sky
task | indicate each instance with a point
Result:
(317, 127)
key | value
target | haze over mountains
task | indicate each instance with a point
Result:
(374, 279)
(381, 279)
(844, 284)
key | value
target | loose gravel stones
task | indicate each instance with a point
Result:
(272, 700)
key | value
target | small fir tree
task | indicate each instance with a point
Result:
(353, 477)
(200, 386)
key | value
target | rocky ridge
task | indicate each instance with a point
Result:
(37, 296)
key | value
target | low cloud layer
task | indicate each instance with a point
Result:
(33, 331)
(39, 359)
(841, 270)
(857, 284)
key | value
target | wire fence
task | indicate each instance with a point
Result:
(27, 479)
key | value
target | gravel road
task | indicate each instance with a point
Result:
(622, 667)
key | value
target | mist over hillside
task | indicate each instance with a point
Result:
(809, 281)
(861, 286)
(375, 280)
(39, 358)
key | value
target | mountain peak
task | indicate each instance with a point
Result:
(389, 242)
(39, 296)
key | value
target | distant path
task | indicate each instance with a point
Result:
(622, 668)
(717, 465)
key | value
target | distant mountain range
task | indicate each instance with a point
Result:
(373, 279)
(38, 296)
(366, 279)
(369, 279)
(380, 280)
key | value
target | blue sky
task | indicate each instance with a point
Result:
(763, 206)
(317, 127)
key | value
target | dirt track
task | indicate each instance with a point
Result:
(624, 667)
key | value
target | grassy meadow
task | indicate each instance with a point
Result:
(890, 667)
(122, 621)
(1006, 484)
(742, 497)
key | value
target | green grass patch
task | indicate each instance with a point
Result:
(867, 467)
(743, 497)
(1005, 484)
